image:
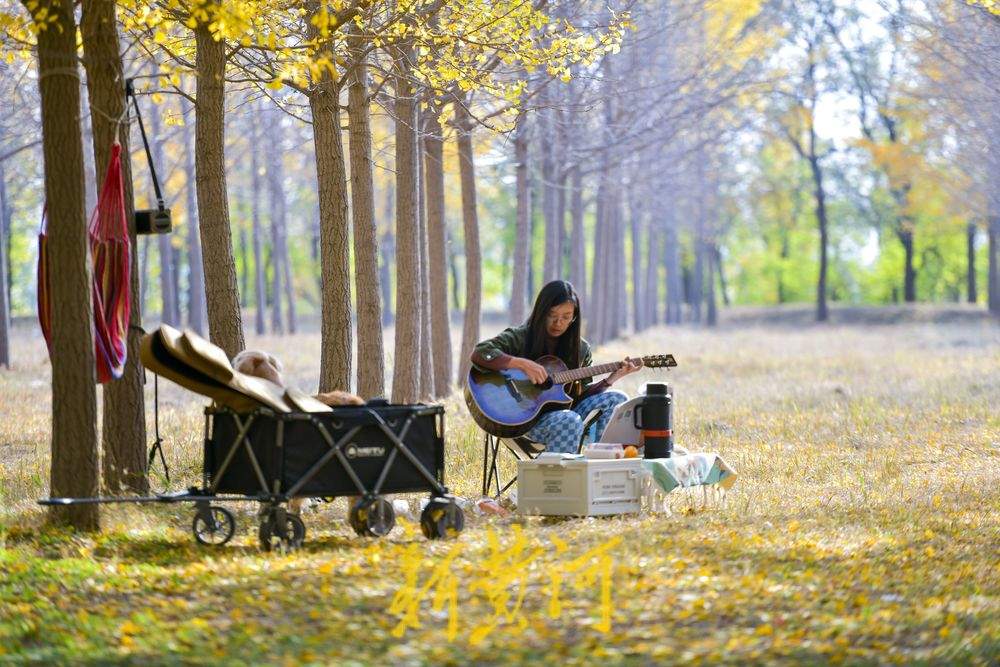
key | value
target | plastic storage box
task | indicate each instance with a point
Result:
(578, 487)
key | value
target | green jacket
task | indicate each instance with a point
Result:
(511, 341)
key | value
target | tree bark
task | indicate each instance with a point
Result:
(578, 253)
(821, 220)
(905, 235)
(993, 267)
(74, 470)
(169, 307)
(4, 280)
(970, 263)
(197, 313)
(257, 227)
(124, 423)
(406, 358)
(652, 290)
(336, 335)
(473, 255)
(281, 285)
(225, 323)
(371, 354)
(638, 296)
(437, 239)
(426, 349)
(675, 282)
(519, 285)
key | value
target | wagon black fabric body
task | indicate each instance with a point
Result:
(354, 450)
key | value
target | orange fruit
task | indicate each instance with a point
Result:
(631, 452)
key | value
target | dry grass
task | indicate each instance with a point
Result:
(865, 526)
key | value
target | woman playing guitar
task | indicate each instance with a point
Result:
(554, 329)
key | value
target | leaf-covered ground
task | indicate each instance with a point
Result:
(864, 528)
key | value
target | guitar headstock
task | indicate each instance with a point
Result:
(659, 361)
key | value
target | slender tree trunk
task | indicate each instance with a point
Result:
(257, 228)
(406, 360)
(197, 315)
(712, 310)
(550, 270)
(276, 207)
(426, 349)
(519, 285)
(993, 267)
(388, 252)
(675, 283)
(652, 290)
(437, 253)
(905, 235)
(74, 404)
(4, 280)
(821, 309)
(124, 423)
(717, 259)
(371, 363)
(169, 308)
(638, 297)
(89, 168)
(336, 342)
(970, 262)
(244, 249)
(456, 301)
(578, 242)
(225, 323)
(473, 256)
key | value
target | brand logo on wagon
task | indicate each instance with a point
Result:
(360, 451)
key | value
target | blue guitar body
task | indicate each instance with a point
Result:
(507, 404)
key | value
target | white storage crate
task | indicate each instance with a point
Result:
(551, 485)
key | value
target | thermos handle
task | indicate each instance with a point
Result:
(635, 416)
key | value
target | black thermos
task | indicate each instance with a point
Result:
(654, 418)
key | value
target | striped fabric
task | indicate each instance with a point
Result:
(110, 253)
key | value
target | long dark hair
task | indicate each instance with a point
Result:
(553, 294)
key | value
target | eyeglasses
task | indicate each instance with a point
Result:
(566, 319)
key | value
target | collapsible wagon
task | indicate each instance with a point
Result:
(266, 444)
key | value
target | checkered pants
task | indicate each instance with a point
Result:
(560, 430)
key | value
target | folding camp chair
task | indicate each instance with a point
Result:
(523, 449)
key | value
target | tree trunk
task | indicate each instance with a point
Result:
(905, 235)
(197, 314)
(124, 423)
(473, 256)
(437, 239)
(169, 307)
(638, 297)
(406, 358)
(652, 290)
(74, 405)
(550, 264)
(578, 254)
(281, 290)
(426, 350)
(4, 280)
(336, 335)
(821, 220)
(371, 363)
(519, 285)
(257, 227)
(225, 323)
(675, 282)
(717, 259)
(970, 262)
(993, 267)
(712, 310)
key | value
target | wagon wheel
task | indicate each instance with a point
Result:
(372, 517)
(213, 526)
(442, 518)
(271, 538)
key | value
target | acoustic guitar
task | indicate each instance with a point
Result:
(507, 404)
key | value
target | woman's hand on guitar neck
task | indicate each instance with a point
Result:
(628, 366)
(535, 372)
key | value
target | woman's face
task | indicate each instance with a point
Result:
(559, 318)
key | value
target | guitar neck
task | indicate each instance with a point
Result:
(585, 372)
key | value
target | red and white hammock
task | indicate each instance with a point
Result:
(110, 252)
